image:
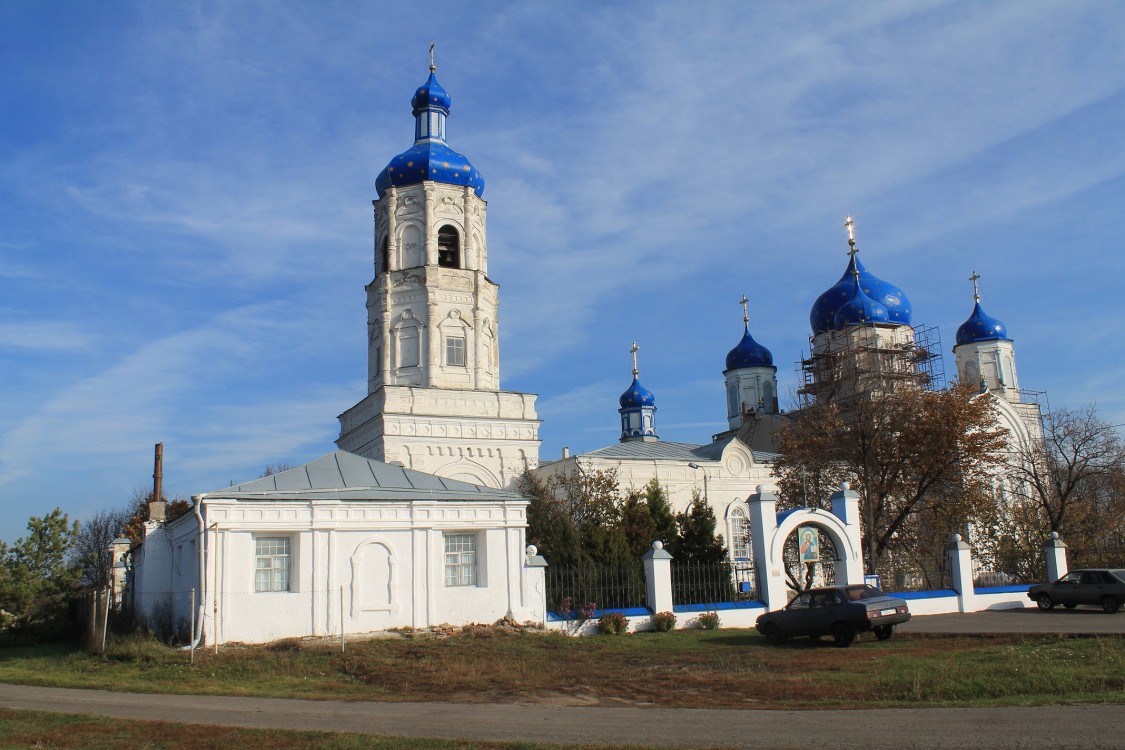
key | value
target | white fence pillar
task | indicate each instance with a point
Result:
(961, 572)
(658, 578)
(845, 506)
(534, 585)
(763, 527)
(1054, 552)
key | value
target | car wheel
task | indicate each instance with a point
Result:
(884, 632)
(1111, 605)
(1070, 606)
(773, 634)
(843, 634)
(1044, 601)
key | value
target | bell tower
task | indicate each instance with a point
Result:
(434, 401)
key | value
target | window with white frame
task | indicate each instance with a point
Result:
(271, 563)
(460, 559)
(739, 534)
(455, 351)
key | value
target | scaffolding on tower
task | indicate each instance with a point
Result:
(871, 358)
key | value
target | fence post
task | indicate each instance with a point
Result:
(92, 627)
(658, 578)
(961, 572)
(1054, 552)
(535, 584)
(105, 620)
(341, 619)
(191, 643)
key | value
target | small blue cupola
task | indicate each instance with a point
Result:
(893, 300)
(638, 409)
(750, 377)
(980, 326)
(430, 158)
(748, 353)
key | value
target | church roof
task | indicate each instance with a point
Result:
(345, 476)
(667, 451)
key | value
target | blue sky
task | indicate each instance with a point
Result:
(186, 229)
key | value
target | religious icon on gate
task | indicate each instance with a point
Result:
(809, 544)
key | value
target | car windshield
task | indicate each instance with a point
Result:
(1119, 575)
(856, 593)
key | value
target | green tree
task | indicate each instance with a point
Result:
(659, 508)
(698, 541)
(549, 526)
(39, 575)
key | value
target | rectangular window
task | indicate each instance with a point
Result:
(454, 351)
(460, 559)
(271, 567)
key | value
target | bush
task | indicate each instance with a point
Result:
(708, 620)
(663, 621)
(613, 623)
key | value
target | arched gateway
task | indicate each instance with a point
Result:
(770, 529)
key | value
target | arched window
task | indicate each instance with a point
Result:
(739, 533)
(448, 247)
(732, 400)
(385, 256)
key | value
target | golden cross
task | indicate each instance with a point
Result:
(976, 290)
(634, 349)
(745, 315)
(432, 68)
(850, 226)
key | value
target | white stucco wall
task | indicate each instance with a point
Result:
(384, 561)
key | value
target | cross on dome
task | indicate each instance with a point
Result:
(745, 314)
(432, 68)
(634, 349)
(976, 290)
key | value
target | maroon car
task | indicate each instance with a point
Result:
(839, 611)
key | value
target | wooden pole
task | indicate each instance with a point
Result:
(341, 619)
(192, 642)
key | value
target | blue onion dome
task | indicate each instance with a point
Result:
(430, 158)
(637, 396)
(748, 353)
(981, 327)
(890, 297)
(860, 309)
(431, 95)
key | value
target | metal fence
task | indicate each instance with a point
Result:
(605, 587)
(918, 573)
(988, 574)
(1095, 557)
(711, 583)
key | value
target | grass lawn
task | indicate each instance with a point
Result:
(687, 668)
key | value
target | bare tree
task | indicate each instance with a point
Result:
(91, 551)
(272, 469)
(1074, 477)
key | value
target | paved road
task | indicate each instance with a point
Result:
(1080, 621)
(1087, 727)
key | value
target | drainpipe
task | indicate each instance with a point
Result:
(197, 504)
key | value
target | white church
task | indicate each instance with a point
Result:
(413, 522)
